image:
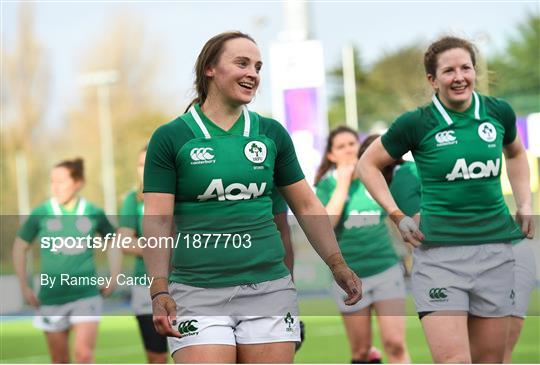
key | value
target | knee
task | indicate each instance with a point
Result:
(394, 347)
(84, 356)
(452, 359)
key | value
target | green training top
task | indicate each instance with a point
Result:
(50, 219)
(222, 182)
(458, 156)
(361, 231)
(406, 189)
(131, 215)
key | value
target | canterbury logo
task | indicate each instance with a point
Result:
(438, 293)
(201, 154)
(187, 327)
(445, 137)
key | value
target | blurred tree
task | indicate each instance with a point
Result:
(25, 88)
(392, 85)
(515, 72)
(125, 47)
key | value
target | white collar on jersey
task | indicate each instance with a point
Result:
(445, 115)
(81, 207)
(198, 120)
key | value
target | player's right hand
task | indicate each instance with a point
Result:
(524, 219)
(345, 171)
(30, 297)
(348, 281)
(164, 315)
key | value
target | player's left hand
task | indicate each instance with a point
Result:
(408, 227)
(524, 219)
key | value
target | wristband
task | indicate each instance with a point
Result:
(396, 216)
(161, 278)
(155, 295)
(159, 283)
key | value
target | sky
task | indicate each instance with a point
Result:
(66, 29)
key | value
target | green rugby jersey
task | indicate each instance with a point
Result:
(50, 219)
(222, 182)
(458, 156)
(406, 189)
(131, 215)
(361, 231)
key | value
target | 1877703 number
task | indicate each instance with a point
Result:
(215, 240)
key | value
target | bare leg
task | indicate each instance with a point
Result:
(447, 336)
(358, 328)
(206, 354)
(58, 343)
(267, 353)
(488, 338)
(85, 341)
(392, 326)
(516, 324)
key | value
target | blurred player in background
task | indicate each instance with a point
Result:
(62, 307)
(463, 273)
(131, 215)
(365, 242)
(213, 170)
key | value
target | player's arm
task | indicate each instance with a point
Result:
(280, 219)
(314, 221)
(114, 253)
(517, 168)
(158, 222)
(114, 260)
(335, 205)
(133, 248)
(127, 226)
(369, 168)
(20, 248)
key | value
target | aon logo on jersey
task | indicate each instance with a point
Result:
(362, 219)
(235, 191)
(476, 170)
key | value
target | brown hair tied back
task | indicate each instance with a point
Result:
(75, 168)
(442, 45)
(209, 56)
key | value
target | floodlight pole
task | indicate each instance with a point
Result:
(102, 80)
(349, 87)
